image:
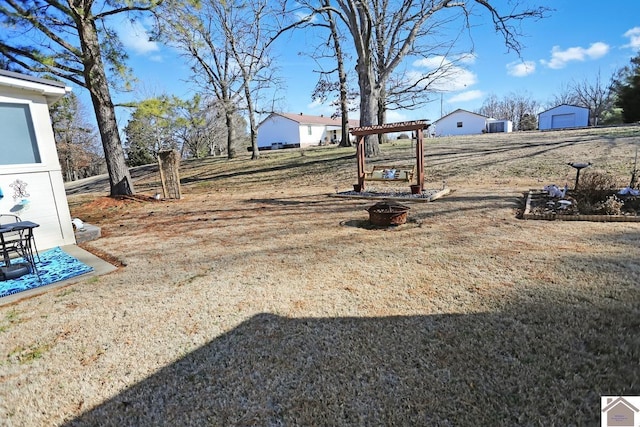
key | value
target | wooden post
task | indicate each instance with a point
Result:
(360, 156)
(420, 158)
(169, 165)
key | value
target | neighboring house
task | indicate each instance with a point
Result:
(563, 116)
(463, 122)
(284, 130)
(31, 184)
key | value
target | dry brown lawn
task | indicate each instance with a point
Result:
(259, 300)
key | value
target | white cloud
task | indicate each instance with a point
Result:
(469, 95)
(634, 38)
(135, 37)
(560, 58)
(521, 69)
(435, 62)
(447, 75)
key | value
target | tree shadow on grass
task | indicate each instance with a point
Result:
(543, 363)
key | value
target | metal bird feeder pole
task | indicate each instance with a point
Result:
(578, 167)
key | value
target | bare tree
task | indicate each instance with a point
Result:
(345, 141)
(250, 28)
(517, 107)
(595, 95)
(62, 37)
(492, 107)
(403, 22)
(326, 87)
(403, 88)
(198, 31)
(565, 95)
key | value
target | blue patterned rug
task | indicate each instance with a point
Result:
(55, 265)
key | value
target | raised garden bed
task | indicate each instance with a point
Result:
(613, 208)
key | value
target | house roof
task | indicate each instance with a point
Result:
(620, 400)
(460, 110)
(51, 89)
(305, 119)
(563, 105)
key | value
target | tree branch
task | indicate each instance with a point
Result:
(132, 8)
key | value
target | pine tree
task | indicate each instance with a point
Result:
(627, 89)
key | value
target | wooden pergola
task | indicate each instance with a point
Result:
(418, 126)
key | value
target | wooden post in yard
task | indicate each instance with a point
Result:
(169, 166)
(420, 158)
(360, 155)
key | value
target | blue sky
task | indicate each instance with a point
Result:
(576, 41)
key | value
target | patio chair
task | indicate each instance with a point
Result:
(18, 243)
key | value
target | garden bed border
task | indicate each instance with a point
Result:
(551, 217)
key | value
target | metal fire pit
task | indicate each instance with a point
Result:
(388, 213)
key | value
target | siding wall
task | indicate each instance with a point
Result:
(278, 129)
(472, 124)
(47, 202)
(317, 134)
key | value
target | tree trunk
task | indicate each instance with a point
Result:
(96, 80)
(368, 103)
(382, 114)
(342, 78)
(231, 133)
(255, 154)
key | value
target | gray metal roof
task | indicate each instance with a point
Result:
(28, 78)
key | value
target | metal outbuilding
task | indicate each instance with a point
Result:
(563, 116)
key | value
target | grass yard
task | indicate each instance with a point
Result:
(257, 299)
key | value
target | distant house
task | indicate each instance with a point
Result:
(31, 184)
(286, 130)
(463, 122)
(563, 116)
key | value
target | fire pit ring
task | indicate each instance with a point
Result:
(388, 213)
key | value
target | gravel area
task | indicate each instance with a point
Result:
(258, 300)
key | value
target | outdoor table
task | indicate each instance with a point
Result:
(27, 238)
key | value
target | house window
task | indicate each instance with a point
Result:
(459, 124)
(309, 131)
(18, 144)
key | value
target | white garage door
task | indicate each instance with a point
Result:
(560, 121)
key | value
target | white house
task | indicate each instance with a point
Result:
(31, 184)
(286, 130)
(463, 122)
(563, 116)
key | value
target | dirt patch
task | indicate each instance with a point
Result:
(101, 207)
(110, 258)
